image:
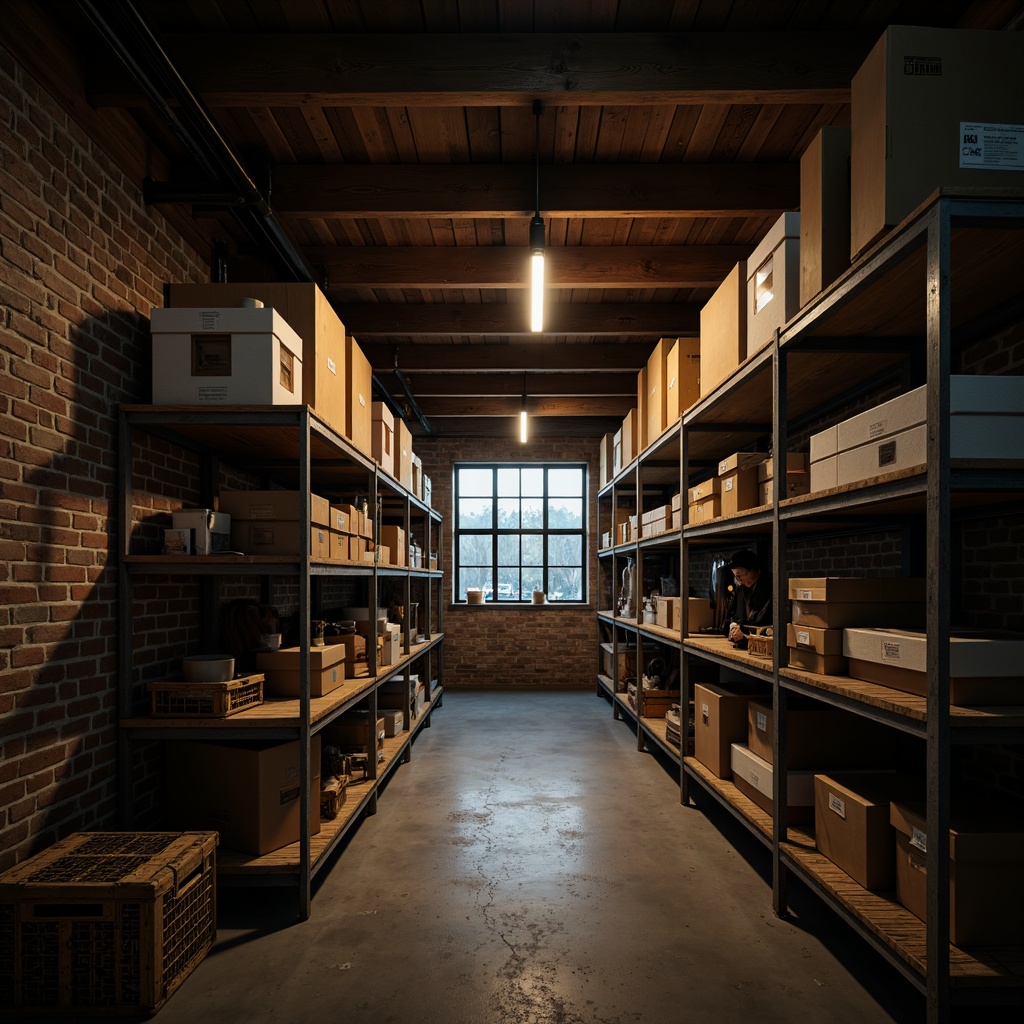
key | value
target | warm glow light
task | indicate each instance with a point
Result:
(537, 291)
(522, 427)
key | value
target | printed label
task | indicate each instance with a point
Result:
(803, 637)
(919, 839)
(805, 595)
(330, 366)
(891, 650)
(992, 146)
(362, 401)
(837, 804)
(723, 467)
(728, 484)
(212, 394)
(761, 721)
(208, 319)
(877, 429)
(257, 511)
(922, 67)
(705, 713)
(754, 780)
(886, 453)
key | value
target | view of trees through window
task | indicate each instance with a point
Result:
(520, 528)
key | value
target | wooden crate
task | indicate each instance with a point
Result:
(761, 645)
(205, 700)
(106, 923)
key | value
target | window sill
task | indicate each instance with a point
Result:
(565, 606)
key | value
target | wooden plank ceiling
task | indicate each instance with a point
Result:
(393, 146)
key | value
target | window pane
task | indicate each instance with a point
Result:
(508, 482)
(475, 482)
(568, 482)
(533, 579)
(474, 549)
(508, 513)
(565, 513)
(479, 578)
(475, 513)
(533, 549)
(508, 584)
(508, 551)
(565, 584)
(533, 481)
(533, 514)
(566, 550)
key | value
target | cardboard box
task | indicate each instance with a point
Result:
(606, 460)
(390, 646)
(656, 520)
(852, 828)
(932, 108)
(621, 667)
(796, 465)
(641, 439)
(273, 505)
(702, 511)
(669, 613)
(394, 538)
(276, 537)
(839, 614)
(719, 720)
(403, 454)
(740, 460)
(984, 667)
(338, 547)
(247, 791)
(306, 310)
(753, 777)
(630, 438)
(723, 330)
(816, 650)
(824, 210)
(684, 377)
(986, 871)
(824, 474)
(823, 444)
(281, 670)
(355, 733)
(699, 614)
(657, 382)
(209, 531)
(739, 491)
(705, 489)
(359, 397)
(773, 282)
(617, 462)
(394, 721)
(821, 738)
(382, 438)
(796, 484)
(834, 602)
(417, 475)
(229, 356)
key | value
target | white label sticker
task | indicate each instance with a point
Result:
(997, 147)
(837, 804)
(919, 839)
(723, 467)
(890, 650)
(331, 367)
(705, 713)
(877, 429)
(754, 779)
(362, 401)
(208, 319)
(761, 721)
(803, 637)
(728, 483)
(805, 595)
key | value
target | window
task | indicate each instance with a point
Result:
(521, 528)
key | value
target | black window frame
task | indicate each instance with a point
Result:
(494, 531)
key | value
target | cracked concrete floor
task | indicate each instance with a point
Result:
(529, 866)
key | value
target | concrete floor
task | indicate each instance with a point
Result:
(529, 866)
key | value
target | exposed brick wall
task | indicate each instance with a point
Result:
(82, 262)
(514, 647)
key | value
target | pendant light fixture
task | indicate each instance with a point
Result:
(523, 432)
(537, 241)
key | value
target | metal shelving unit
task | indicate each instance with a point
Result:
(292, 447)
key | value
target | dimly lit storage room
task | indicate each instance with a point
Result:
(512, 512)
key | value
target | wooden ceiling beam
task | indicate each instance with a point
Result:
(498, 426)
(658, 319)
(604, 266)
(567, 190)
(422, 360)
(475, 405)
(508, 383)
(503, 69)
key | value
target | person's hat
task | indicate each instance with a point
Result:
(744, 559)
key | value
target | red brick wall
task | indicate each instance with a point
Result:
(82, 261)
(513, 647)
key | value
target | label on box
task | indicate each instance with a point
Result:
(887, 453)
(995, 146)
(212, 393)
(878, 429)
(837, 804)
(919, 839)
(761, 721)
(805, 595)
(705, 714)
(803, 637)
(729, 482)
(928, 67)
(891, 650)
(755, 780)
(331, 366)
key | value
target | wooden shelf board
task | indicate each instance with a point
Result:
(726, 789)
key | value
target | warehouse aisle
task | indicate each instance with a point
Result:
(530, 867)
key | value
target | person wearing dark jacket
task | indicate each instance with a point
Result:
(750, 603)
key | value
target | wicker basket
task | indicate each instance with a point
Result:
(761, 645)
(205, 700)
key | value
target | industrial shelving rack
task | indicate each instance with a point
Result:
(291, 447)
(944, 278)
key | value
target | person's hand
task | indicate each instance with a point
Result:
(735, 633)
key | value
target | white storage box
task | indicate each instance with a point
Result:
(753, 778)
(773, 282)
(210, 531)
(231, 356)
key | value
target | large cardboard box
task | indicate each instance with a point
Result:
(617, 462)
(229, 356)
(931, 108)
(753, 777)
(354, 732)
(273, 505)
(739, 491)
(383, 437)
(699, 614)
(622, 668)
(719, 720)
(630, 437)
(210, 531)
(359, 397)
(279, 537)
(606, 460)
(773, 282)
(704, 490)
(684, 377)
(821, 738)
(394, 538)
(816, 650)
(247, 791)
(641, 440)
(702, 511)
(306, 310)
(984, 667)
(281, 670)
(657, 385)
(852, 828)
(723, 330)
(833, 602)
(740, 460)
(403, 454)
(824, 210)
(986, 871)
(669, 615)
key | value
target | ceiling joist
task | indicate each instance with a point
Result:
(518, 357)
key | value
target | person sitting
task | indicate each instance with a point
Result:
(750, 603)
